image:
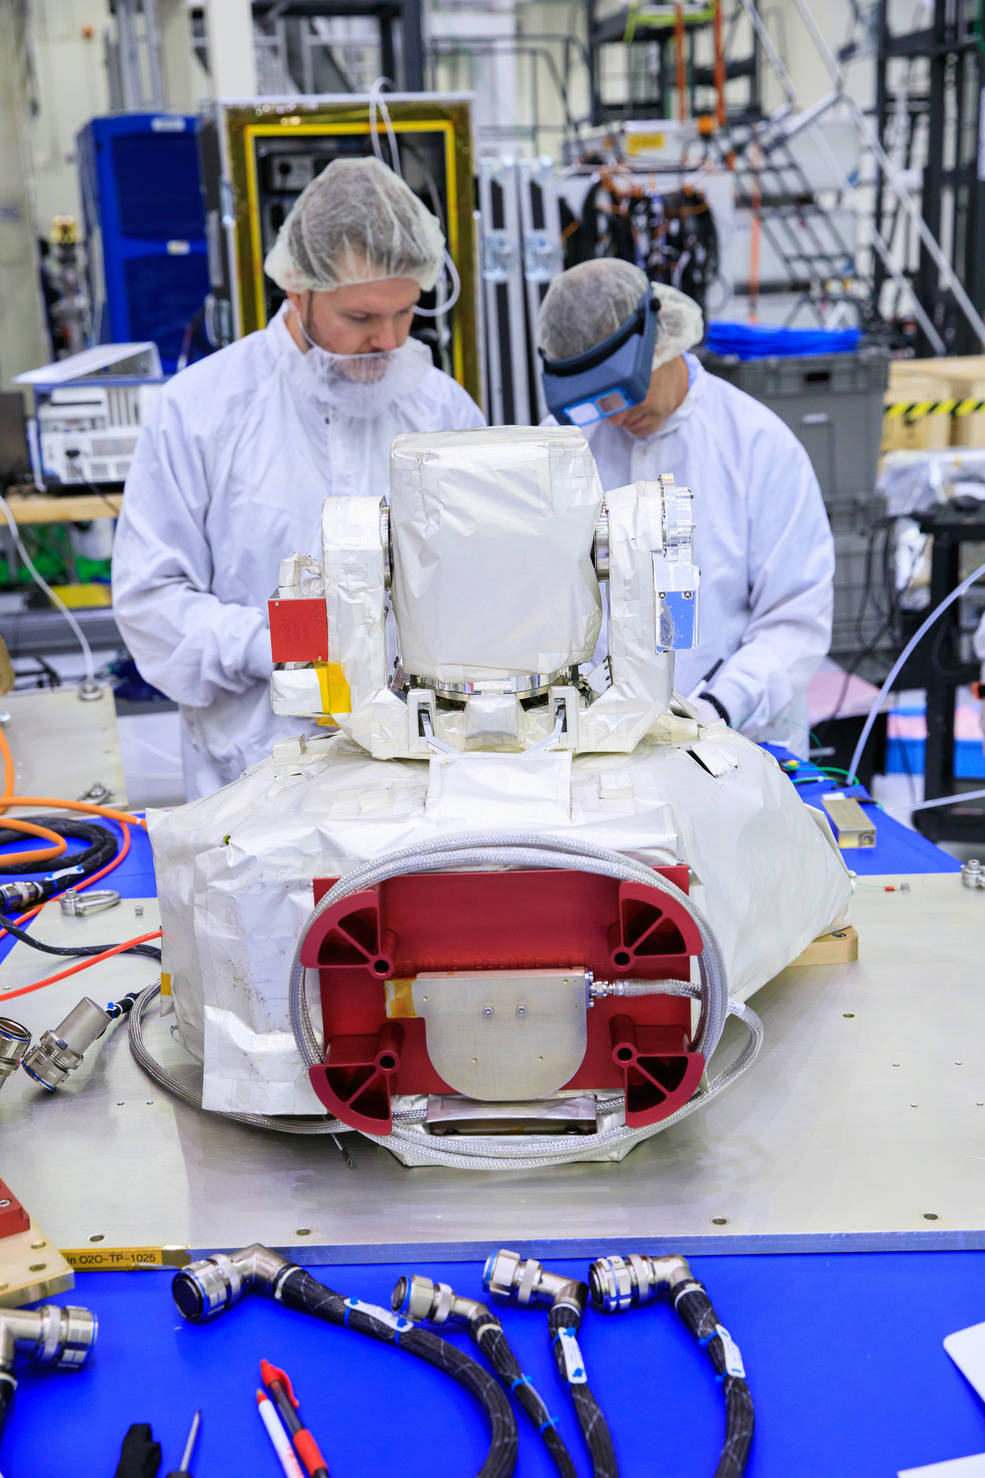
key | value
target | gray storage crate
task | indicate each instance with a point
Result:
(848, 634)
(854, 513)
(832, 402)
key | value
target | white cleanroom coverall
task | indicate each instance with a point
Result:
(229, 476)
(762, 543)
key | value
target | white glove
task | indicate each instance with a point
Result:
(707, 712)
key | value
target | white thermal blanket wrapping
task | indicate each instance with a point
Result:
(492, 544)
(235, 871)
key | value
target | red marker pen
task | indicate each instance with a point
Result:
(278, 1383)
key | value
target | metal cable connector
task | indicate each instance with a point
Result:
(417, 1298)
(207, 1288)
(617, 1283)
(507, 1275)
(14, 1042)
(60, 1051)
(20, 895)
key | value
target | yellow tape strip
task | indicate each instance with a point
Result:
(915, 410)
(165, 983)
(124, 1259)
(335, 694)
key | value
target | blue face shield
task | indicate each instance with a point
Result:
(609, 378)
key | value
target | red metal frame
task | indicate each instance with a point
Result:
(543, 919)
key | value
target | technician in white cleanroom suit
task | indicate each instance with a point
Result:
(242, 448)
(761, 536)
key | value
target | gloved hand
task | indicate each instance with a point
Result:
(707, 712)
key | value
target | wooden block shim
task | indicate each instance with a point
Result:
(838, 948)
(30, 1267)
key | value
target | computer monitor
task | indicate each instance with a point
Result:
(15, 456)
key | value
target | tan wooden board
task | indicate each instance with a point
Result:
(72, 508)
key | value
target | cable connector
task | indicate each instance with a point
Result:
(617, 1283)
(507, 1275)
(15, 896)
(61, 1050)
(207, 1288)
(418, 1298)
(14, 1042)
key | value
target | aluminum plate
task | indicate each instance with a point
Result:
(861, 1126)
(64, 744)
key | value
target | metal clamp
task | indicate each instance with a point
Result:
(98, 793)
(74, 902)
(973, 874)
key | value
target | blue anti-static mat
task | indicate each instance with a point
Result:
(843, 1355)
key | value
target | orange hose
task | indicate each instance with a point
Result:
(60, 804)
(9, 772)
(31, 828)
(107, 954)
(33, 912)
(38, 854)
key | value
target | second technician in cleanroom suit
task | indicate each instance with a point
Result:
(762, 538)
(242, 449)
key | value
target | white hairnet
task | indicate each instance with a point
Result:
(586, 304)
(357, 222)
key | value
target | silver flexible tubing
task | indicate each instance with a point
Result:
(288, 1124)
(518, 849)
(473, 1158)
(526, 850)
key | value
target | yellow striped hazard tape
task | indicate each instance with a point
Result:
(915, 410)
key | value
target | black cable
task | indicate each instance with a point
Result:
(8, 1385)
(298, 1290)
(151, 951)
(123, 1007)
(488, 1334)
(102, 847)
(694, 1308)
(594, 1427)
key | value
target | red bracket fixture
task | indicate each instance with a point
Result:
(658, 1067)
(461, 921)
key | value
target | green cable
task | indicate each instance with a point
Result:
(834, 770)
